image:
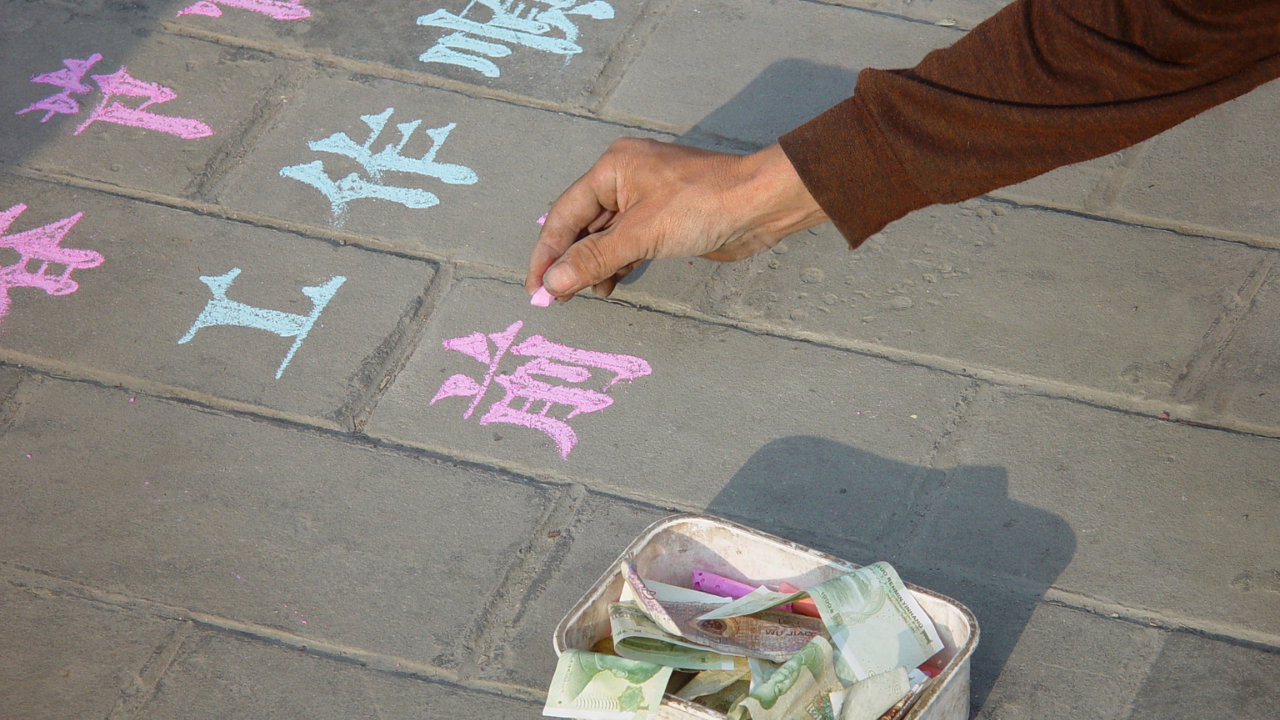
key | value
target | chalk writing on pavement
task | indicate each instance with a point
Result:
(119, 84)
(223, 311)
(275, 9)
(38, 252)
(523, 391)
(354, 187)
(486, 28)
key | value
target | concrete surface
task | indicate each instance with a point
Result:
(1055, 404)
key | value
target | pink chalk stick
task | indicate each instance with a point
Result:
(724, 587)
(542, 220)
(803, 606)
(541, 298)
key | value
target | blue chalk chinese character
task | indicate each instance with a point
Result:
(354, 187)
(507, 25)
(221, 311)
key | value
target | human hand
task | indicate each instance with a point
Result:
(645, 199)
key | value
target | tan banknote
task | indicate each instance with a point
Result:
(591, 686)
(646, 598)
(801, 688)
(768, 635)
(637, 637)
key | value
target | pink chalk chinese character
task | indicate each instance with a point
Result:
(122, 84)
(70, 80)
(274, 9)
(523, 391)
(41, 246)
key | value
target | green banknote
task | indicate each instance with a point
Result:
(870, 698)
(873, 620)
(800, 688)
(592, 686)
(637, 637)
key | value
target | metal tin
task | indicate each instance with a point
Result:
(670, 548)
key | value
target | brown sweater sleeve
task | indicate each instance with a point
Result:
(1040, 84)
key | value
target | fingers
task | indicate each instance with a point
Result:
(595, 260)
(580, 208)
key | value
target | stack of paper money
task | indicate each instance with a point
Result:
(752, 660)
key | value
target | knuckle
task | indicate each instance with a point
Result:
(592, 260)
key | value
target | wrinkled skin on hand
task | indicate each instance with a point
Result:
(645, 199)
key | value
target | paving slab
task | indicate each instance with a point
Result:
(664, 435)
(64, 657)
(603, 527)
(1245, 380)
(1035, 292)
(1075, 187)
(556, 57)
(753, 70)
(216, 90)
(257, 523)
(1194, 678)
(514, 162)
(223, 677)
(131, 310)
(1071, 664)
(1220, 169)
(1165, 517)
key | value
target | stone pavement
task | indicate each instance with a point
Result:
(272, 444)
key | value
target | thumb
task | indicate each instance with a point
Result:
(590, 261)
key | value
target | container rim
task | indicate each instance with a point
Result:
(962, 654)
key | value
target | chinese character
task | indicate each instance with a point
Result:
(507, 25)
(41, 246)
(354, 187)
(523, 390)
(118, 84)
(274, 9)
(70, 80)
(221, 311)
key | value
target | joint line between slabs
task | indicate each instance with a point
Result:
(1228, 633)
(525, 576)
(855, 6)
(629, 47)
(1135, 220)
(400, 346)
(216, 211)
(409, 77)
(22, 576)
(1177, 412)
(1191, 384)
(72, 372)
(1029, 384)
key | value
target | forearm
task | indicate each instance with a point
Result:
(1039, 85)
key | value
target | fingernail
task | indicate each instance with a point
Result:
(559, 278)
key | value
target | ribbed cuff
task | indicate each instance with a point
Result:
(845, 163)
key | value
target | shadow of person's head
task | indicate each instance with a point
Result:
(954, 531)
